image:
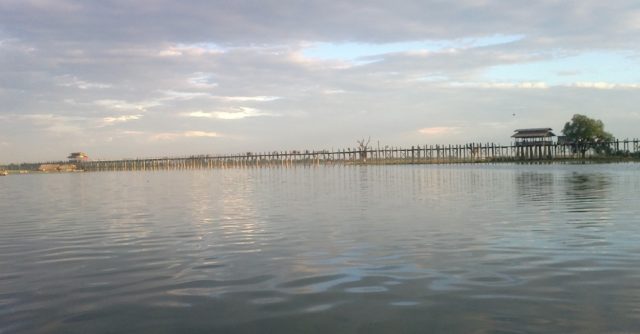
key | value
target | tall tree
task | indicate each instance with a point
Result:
(362, 148)
(586, 133)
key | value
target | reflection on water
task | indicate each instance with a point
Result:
(535, 188)
(411, 249)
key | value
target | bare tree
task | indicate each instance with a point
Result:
(362, 148)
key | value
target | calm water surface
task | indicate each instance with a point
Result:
(378, 249)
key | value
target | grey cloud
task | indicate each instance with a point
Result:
(561, 23)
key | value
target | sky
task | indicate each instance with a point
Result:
(153, 78)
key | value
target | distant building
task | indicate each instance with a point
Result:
(534, 137)
(534, 143)
(57, 168)
(78, 157)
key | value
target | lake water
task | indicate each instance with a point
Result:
(344, 249)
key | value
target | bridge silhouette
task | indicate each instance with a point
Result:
(420, 154)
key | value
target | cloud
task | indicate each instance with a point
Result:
(172, 95)
(236, 113)
(201, 134)
(196, 50)
(170, 136)
(63, 6)
(248, 98)
(40, 117)
(201, 114)
(202, 80)
(56, 124)
(132, 133)
(119, 119)
(439, 130)
(333, 68)
(218, 23)
(606, 85)
(501, 85)
(362, 53)
(49, 118)
(124, 105)
(333, 91)
(72, 81)
(16, 46)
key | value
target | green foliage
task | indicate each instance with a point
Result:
(586, 133)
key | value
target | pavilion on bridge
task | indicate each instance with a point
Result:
(534, 143)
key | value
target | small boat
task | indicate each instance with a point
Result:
(4, 173)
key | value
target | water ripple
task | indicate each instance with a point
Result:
(478, 248)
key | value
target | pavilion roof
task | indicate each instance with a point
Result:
(533, 133)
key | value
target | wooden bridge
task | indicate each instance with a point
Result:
(421, 154)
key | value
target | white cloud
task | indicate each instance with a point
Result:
(633, 20)
(195, 50)
(201, 114)
(40, 117)
(236, 113)
(298, 58)
(170, 52)
(163, 136)
(16, 45)
(124, 105)
(439, 130)
(542, 85)
(202, 80)
(605, 85)
(57, 124)
(119, 119)
(172, 95)
(169, 136)
(201, 134)
(132, 133)
(72, 81)
(248, 98)
(501, 85)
